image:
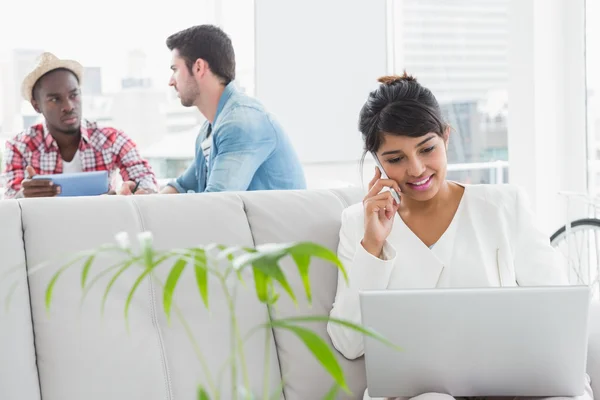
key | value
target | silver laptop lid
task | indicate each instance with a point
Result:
(524, 341)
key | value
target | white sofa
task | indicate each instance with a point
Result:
(73, 353)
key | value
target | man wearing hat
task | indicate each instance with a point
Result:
(64, 143)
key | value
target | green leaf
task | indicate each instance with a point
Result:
(261, 284)
(50, 287)
(86, 269)
(199, 257)
(213, 246)
(19, 268)
(201, 271)
(227, 252)
(148, 256)
(162, 259)
(113, 280)
(10, 294)
(54, 279)
(240, 277)
(277, 394)
(356, 327)
(303, 262)
(316, 250)
(332, 392)
(202, 394)
(273, 252)
(273, 295)
(95, 280)
(301, 252)
(137, 283)
(172, 280)
(319, 349)
(269, 267)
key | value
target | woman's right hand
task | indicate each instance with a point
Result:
(380, 210)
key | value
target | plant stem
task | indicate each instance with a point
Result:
(195, 344)
(240, 346)
(266, 382)
(234, 391)
(237, 344)
(190, 335)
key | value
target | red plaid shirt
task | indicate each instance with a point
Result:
(100, 149)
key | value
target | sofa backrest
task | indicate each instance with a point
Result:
(18, 371)
(73, 352)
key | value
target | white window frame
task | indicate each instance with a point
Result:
(547, 129)
(547, 137)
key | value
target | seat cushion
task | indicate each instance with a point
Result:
(305, 216)
(18, 371)
(83, 355)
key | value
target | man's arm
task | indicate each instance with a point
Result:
(14, 169)
(132, 166)
(18, 176)
(241, 151)
(168, 189)
(187, 181)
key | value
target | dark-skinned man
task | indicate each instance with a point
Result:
(64, 142)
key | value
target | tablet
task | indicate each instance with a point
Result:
(92, 183)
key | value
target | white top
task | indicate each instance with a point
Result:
(206, 145)
(206, 149)
(74, 165)
(492, 241)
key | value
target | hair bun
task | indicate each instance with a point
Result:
(391, 79)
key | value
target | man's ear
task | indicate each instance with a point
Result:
(36, 106)
(200, 67)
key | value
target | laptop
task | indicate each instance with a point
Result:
(522, 341)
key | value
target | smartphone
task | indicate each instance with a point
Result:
(384, 176)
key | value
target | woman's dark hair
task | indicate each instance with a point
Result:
(399, 106)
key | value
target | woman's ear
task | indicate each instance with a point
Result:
(446, 136)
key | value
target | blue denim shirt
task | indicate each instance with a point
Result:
(249, 151)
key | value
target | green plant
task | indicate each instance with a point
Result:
(227, 265)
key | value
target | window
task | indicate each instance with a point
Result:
(593, 92)
(126, 66)
(459, 50)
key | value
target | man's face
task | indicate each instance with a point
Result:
(184, 83)
(58, 98)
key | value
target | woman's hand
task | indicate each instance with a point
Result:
(380, 210)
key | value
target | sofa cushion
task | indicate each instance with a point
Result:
(82, 355)
(201, 219)
(593, 361)
(18, 371)
(304, 216)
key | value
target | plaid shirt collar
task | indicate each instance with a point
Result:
(50, 142)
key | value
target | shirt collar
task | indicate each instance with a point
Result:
(230, 89)
(49, 140)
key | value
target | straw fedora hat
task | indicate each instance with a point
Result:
(48, 62)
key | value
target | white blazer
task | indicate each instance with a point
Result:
(492, 241)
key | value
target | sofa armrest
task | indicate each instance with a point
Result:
(593, 361)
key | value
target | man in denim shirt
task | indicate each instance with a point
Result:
(241, 146)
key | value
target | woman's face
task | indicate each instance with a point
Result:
(418, 165)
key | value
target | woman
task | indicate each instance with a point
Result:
(441, 233)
